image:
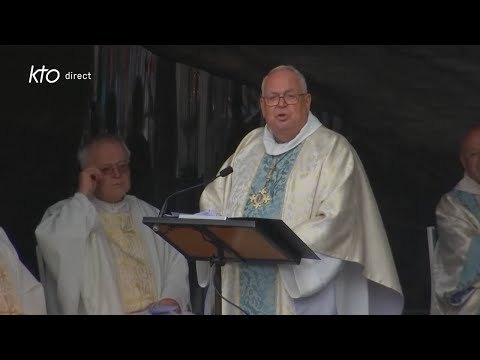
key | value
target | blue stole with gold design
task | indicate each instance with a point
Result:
(258, 282)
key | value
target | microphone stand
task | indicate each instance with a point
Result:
(164, 207)
(224, 172)
(216, 261)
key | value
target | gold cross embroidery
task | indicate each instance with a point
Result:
(260, 198)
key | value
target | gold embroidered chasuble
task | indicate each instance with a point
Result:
(9, 301)
(328, 203)
(134, 277)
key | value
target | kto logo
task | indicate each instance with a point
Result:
(51, 75)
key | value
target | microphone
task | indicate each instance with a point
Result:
(224, 172)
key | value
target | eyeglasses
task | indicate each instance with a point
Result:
(121, 167)
(274, 100)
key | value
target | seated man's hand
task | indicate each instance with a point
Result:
(168, 301)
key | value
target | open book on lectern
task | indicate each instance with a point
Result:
(254, 240)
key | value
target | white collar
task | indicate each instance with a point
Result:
(121, 206)
(273, 148)
(467, 184)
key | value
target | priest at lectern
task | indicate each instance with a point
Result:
(299, 171)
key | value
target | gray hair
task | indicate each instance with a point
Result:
(83, 152)
(303, 82)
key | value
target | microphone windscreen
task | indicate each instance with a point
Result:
(226, 171)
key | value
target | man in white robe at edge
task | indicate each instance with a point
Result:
(20, 292)
(299, 171)
(457, 252)
(103, 259)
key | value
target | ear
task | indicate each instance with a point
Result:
(463, 161)
(262, 107)
(308, 101)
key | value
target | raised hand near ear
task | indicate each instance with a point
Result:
(88, 180)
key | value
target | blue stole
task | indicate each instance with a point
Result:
(257, 282)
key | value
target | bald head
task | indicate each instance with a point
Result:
(470, 153)
(285, 102)
(84, 153)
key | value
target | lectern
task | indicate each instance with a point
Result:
(253, 240)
